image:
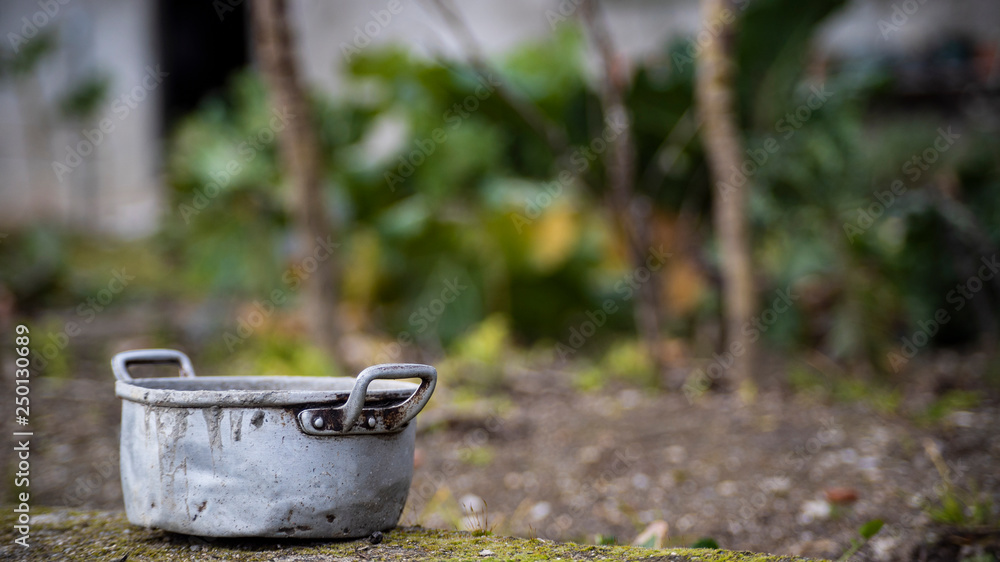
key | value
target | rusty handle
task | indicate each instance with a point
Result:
(354, 418)
(121, 361)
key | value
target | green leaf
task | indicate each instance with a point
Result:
(85, 98)
(871, 528)
(707, 542)
(28, 58)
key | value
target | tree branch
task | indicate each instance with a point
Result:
(553, 135)
(299, 150)
(620, 162)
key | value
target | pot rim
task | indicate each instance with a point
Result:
(256, 391)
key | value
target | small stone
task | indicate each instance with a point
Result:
(630, 398)
(777, 484)
(486, 552)
(588, 454)
(512, 480)
(640, 481)
(471, 503)
(841, 495)
(375, 537)
(726, 488)
(676, 454)
(813, 510)
(962, 419)
(882, 547)
(868, 463)
(540, 511)
(849, 456)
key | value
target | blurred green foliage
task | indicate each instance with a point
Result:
(624, 360)
(877, 395)
(435, 181)
(448, 220)
(705, 542)
(434, 177)
(949, 403)
(85, 98)
(478, 357)
(963, 509)
(277, 353)
(27, 57)
(438, 200)
(35, 265)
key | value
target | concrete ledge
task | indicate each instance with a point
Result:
(60, 534)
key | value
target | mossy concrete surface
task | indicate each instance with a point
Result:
(61, 534)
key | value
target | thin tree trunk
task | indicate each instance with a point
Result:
(553, 135)
(300, 158)
(723, 147)
(620, 161)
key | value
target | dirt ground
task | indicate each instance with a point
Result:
(546, 460)
(571, 466)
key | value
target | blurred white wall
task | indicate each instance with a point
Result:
(114, 187)
(640, 27)
(118, 188)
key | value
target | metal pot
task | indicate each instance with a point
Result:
(304, 457)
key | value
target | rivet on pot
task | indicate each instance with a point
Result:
(371, 422)
(317, 422)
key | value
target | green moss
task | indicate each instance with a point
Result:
(77, 535)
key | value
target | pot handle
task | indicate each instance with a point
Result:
(121, 361)
(354, 418)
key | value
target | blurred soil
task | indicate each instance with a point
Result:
(788, 474)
